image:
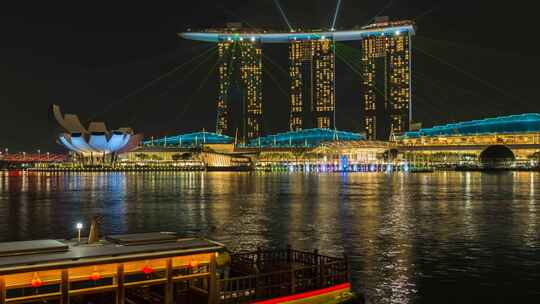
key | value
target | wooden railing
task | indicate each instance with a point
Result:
(276, 273)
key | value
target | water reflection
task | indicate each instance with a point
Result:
(410, 238)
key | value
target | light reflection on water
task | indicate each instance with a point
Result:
(419, 238)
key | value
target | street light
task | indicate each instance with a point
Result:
(79, 227)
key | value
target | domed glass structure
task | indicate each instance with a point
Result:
(190, 140)
(523, 123)
(304, 138)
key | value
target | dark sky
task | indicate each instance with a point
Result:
(472, 59)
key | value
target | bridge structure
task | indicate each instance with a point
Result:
(33, 158)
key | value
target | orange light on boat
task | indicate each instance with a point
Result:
(36, 281)
(147, 270)
(95, 276)
(193, 263)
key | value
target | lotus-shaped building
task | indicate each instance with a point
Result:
(96, 139)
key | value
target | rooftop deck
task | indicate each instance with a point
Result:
(393, 28)
(43, 254)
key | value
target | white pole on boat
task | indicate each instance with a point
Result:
(79, 228)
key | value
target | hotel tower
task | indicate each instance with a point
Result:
(312, 73)
(239, 106)
(386, 77)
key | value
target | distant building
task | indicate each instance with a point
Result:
(386, 82)
(506, 142)
(523, 124)
(192, 151)
(511, 138)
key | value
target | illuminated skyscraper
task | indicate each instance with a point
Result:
(386, 71)
(312, 72)
(239, 106)
(386, 76)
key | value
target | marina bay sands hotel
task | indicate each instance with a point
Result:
(385, 77)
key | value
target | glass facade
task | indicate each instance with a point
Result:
(386, 82)
(239, 105)
(312, 73)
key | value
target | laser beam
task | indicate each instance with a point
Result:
(283, 15)
(336, 15)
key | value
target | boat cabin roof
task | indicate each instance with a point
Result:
(48, 254)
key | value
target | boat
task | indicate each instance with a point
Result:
(166, 268)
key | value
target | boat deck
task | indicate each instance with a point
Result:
(165, 268)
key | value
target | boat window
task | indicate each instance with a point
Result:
(88, 277)
(189, 265)
(30, 285)
(137, 271)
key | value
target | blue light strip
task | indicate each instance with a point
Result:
(191, 139)
(310, 138)
(507, 124)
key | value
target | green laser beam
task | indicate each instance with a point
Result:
(153, 82)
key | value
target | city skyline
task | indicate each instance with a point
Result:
(270, 151)
(94, 72)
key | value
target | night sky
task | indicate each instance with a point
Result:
(472, 59)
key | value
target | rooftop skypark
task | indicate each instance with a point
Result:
(271, 36)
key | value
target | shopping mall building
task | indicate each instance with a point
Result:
(509, 141)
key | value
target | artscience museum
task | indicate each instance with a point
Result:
(95, 141)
